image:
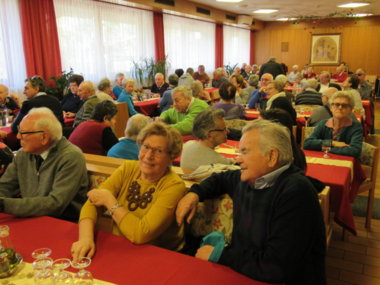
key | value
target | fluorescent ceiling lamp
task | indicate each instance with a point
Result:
(353, 5)
(265, 11)
(230, 1)
(362, 15)
(286, 19)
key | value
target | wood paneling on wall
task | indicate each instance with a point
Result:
(360, 45)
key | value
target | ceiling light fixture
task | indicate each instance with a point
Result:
(353, 5)
(362, 15)
(229, 1)
(286, 19)
(265, 11)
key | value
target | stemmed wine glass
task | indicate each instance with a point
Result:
(41, 253)
(61, 276)
(83, 276)
(42, 266)
(326, 147)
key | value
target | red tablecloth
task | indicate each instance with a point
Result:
(117, 260)
(11, 140)
(253, 114)
(147, 107)
(343, 189)
(228, 144)
(69, 122)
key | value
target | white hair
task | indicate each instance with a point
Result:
(273, 136)
(47, 121)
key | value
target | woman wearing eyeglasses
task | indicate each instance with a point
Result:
(140, 196)
(345, 135)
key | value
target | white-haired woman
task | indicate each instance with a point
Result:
(126, 95)
(345, 135)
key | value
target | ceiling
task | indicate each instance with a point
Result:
(290, 8)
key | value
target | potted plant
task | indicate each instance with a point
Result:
(58, 85)
(143, 72)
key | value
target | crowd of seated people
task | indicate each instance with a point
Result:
(145, 198)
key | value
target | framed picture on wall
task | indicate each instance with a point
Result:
(325, 49)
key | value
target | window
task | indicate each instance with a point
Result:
(189, 43)
(236, 45)
(12, 59)
(101, 39)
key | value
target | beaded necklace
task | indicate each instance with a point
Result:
(135, 200)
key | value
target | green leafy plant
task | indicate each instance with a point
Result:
(143, 71)
(57, 86)
(230, 68)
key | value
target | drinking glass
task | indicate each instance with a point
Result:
(43, 277)
(63, 278)
(257, 106)
(42, 264)
(326, 147)
(41, 253)
(82, 277)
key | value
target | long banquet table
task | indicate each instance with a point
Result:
(117, 260)
(343, 174)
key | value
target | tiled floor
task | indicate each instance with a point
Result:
(356, 260)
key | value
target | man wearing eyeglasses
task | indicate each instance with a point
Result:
(365, 88)
(259, 95)
(48, 175)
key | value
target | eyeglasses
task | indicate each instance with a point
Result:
(359, 74)
(155, 151)
(219, 130)
(338, 105)
(265, 79)
(28, 133)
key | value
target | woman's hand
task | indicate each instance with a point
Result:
(339, 144)
(83, 248)
(101, 197)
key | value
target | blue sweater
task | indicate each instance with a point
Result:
(125, 148)
(127, 98)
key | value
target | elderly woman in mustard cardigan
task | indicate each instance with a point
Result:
(141, 196)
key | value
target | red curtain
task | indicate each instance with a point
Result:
(252, 48)
(219, 45)
(158, 25)
(40, 38)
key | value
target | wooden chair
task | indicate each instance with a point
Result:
(369, 159)
(324, 201)
(305, 133)
(122, 117)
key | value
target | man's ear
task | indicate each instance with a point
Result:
(46, 138)
(273, 157)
